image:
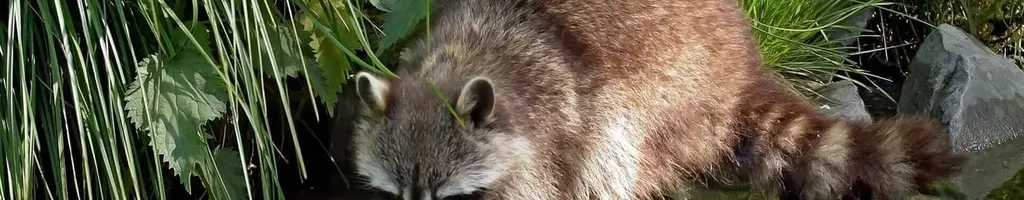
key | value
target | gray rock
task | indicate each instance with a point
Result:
(979, 95)
(843, 101)
(852, 27)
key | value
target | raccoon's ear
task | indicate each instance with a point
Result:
(476, 100)
(372, 90)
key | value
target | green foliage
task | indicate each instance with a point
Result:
(172, 97)
(944, 190)
(1011, 189)
(335, 67)
(795, 42)
(400, 22)
(288, 52)
(997, 23)
(336, 32)
(63, 125)
(228, 179)
(292, 47)
(88, 84)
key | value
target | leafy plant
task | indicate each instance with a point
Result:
(1011, 189)
(184, 77)
(173, 96)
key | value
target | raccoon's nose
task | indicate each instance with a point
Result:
(421, 194)
(425, 196)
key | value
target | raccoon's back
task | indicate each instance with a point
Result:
(595, 49)
(674, 89)
(616, 96)
(659, 83)
(674, 65)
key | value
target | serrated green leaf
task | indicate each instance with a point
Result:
(328, 96)
(334, 68)
(227, 178)
(383, 5)
(288, 49)
(338, 18)
(334, 64)
(398, 24)
(327, 90)
(172, 97)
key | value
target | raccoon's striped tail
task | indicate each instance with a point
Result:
(821, 158)
(898, 156)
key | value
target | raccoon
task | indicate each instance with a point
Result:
(615, 99)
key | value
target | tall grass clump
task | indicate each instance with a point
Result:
(140, 99)
(63, 123)
(801, 41)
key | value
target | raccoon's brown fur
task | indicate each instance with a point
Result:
(616, 99)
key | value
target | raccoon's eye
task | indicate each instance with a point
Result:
(382, 195)
(479, 194)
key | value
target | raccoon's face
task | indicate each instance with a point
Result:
(409, 146)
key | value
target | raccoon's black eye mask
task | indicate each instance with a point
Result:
(479, 194)
(382, 195)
